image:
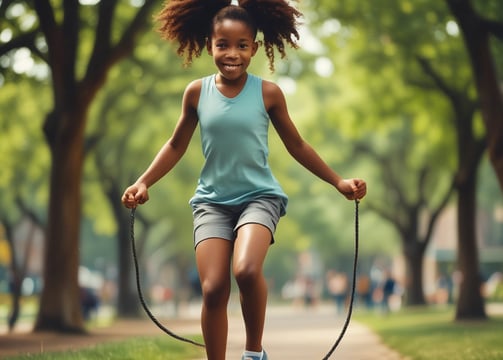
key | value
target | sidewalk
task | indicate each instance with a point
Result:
(291, 333)
(308, 334)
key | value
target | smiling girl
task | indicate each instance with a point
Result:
(238, 202)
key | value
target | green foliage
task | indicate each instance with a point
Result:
(356, 80)
(132, 118)
(25, 159)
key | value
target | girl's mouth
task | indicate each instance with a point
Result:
(231, 67)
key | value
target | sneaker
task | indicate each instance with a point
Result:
(264, 357)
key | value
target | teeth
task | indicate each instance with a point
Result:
(231, 68)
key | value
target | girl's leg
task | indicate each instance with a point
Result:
(213, 263)
(250, 249)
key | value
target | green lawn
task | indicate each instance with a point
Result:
(434, 335)
(148, 348)
(418, 334)
(136, 349)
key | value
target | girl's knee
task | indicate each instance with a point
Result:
(247, 274)
(215, 294)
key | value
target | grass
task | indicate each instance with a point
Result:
(147, 348)
(433, 334)
(136, 349)
(417, 334)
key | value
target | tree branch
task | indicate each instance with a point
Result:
(26, 40)
(34, 218)
(47, 21)
(71, 27)
(438, 210)
(137, 25)
(435, 76)
(393, 183)
(100, 63)
(494, 27)
(102, 41)
(423, 172)
(464, 12)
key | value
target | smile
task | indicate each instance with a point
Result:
(231, 66)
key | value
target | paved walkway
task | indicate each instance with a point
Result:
(308, 334)
(291, 333)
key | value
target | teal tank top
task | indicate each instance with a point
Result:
(234, 137)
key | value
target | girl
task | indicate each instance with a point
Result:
(237, 202)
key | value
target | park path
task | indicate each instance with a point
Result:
(308, 334)
(291, 333)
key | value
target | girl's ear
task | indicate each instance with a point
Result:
(255, 47)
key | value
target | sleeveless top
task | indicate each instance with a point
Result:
(234, 136)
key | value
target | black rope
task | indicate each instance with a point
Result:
(140, 293)
(350, 309)
(178, 337)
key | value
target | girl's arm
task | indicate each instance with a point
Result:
(171, 152)
(300, 150)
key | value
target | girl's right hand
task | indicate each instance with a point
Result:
(135, 195)
(352, 189)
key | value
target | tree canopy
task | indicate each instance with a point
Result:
(379, 89)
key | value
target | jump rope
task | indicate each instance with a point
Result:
(181, 338)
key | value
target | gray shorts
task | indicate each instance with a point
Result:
(223, 221)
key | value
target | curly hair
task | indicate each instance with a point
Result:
(190, 24)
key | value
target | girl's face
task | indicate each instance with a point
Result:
(232, 46)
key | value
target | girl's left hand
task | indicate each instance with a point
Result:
(352, 189)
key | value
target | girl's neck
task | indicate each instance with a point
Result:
(230, 87)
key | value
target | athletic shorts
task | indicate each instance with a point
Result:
(223, 221)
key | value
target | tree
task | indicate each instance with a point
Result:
(411, 203)
(122, 147)
(470, 149)
(430, 40)
(478, 30)
(56, 39)
(24, 163)
(406, 157)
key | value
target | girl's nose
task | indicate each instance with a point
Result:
(233, 53)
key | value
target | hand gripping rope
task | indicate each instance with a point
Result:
(178, 337)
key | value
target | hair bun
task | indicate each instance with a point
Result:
(277, 21)
(188, 22)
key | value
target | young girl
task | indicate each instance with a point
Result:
(237, 202)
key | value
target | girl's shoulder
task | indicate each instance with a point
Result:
(270, 86)
(271, 92)
(194, 85)
(192, 93)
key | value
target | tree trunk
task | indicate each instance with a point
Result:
(60, 305)
(127, 302)
(15, 277)
(19, 266)
(470, 303)
(477, 39)
(414, 287)
(64, 127)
